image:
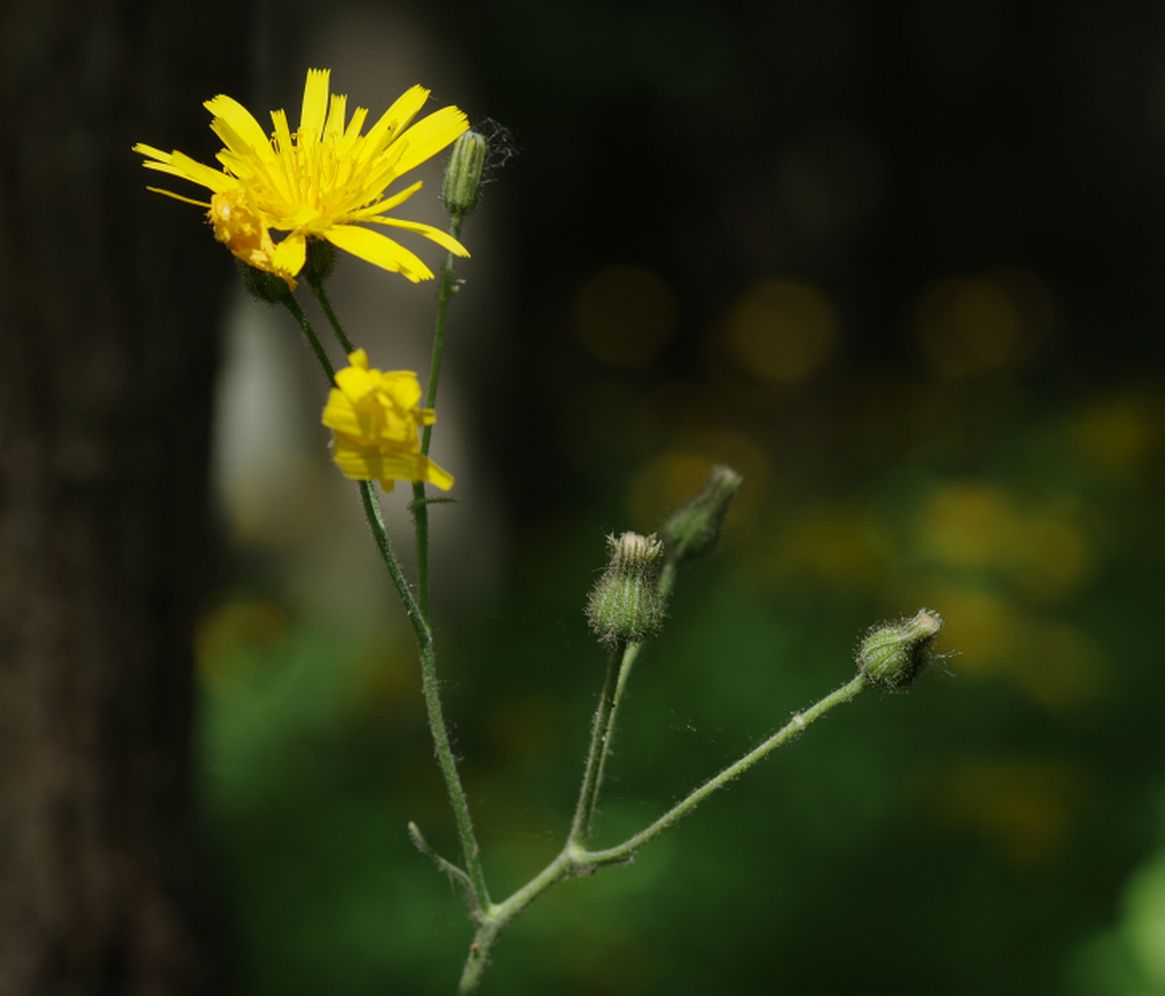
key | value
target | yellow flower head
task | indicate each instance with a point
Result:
(374, 416)
(323, 181)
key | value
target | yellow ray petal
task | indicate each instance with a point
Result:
(178, 197)
(438, 476)
(352, 131)
(429, 136)
(337, 110)
(180, 164)
(389, 202)
(148, 150)
(392, 121)
(443, 239)
(290, 255)
(403, 387)
(379, 250)
(236, 126)
(368, 465)
(315, 105)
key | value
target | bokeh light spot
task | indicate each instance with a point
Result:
(970, 327)
(226, 633)
(625, 315)
(1023, 807)
(676, 474)
(1052, 663)
(1121, 436)
(971, 526)
(967, 525)
(782, 330)
(832, 546)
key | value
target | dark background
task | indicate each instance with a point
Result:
(899, 265)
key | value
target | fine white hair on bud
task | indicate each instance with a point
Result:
(894, 654)
(624, 605)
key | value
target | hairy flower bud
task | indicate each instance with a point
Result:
(892, 655)
(692, 529)
(463, 174)
(624, 605)
(267, 287)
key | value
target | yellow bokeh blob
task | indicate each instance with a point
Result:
(1024, 807)
(973, 526)
(782, 330)
(969, 327)
(228, 631)
(1120, 437)
(834, 546)
(674, 475)
(625, 315)
(1050, 661)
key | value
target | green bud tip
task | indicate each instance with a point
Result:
(463, 174)
(692, 529)
(624, 605)
(893, 655)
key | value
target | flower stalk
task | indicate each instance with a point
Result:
(283, 202)
(575, 859)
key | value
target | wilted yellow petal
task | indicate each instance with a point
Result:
(375, 419)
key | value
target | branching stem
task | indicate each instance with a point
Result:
(575, 860)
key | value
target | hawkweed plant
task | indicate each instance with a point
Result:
(283, 201)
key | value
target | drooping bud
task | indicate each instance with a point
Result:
(892, 655)
(692, 529)
(463, 174)
(624, 605)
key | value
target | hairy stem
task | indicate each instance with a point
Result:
(423, 632)
(420, 505)
(576, 860)
(797, 724)
(588, 792)
(667, 580)
(470, 849)
(309, 334)
(321, 294)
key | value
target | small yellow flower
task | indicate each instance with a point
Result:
(374, 416)
(323, 181)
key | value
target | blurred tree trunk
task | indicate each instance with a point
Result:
(108, 298)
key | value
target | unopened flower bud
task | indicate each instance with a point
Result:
(463, 174)
(624, 605)
(692, 529)
(892, 655)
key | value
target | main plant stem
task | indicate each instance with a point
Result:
(420, 502)
(470, 849)
(575, 860)
(422, 630)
